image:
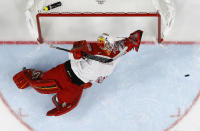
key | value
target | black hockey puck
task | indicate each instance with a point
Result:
(187, 75)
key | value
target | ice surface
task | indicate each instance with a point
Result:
(145, 89)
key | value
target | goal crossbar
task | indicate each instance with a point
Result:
(99, 14)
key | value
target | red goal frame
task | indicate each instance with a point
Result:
(98, 14)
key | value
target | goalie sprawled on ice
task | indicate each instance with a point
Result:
(88, 62)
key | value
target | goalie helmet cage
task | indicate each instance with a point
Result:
(97, 14)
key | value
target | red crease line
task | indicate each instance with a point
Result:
(14, 114)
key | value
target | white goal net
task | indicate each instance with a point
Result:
(87, 19)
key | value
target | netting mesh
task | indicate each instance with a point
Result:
(165, 8)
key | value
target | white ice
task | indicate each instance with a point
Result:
(145, 89)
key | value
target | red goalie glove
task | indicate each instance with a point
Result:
(79, 48)
(134, 40)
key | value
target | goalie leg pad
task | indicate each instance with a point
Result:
(51, 81)
(63, 107)
(24, 77)
(30, 77)
(21, 80)
(45, 86)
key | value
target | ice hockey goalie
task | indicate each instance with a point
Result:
(69, 79)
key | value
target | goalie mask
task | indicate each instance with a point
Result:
(105, 42)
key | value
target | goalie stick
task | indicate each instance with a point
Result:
(86, 55)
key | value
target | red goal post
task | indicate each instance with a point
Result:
(98, 14)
